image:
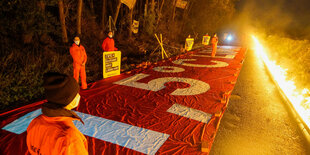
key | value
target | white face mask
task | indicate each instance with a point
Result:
(76, 101)
(110, 36)
(77, 42)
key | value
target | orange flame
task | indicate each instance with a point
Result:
(299, 99)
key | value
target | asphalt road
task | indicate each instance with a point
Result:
(257, 119)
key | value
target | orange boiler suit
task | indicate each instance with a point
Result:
(108, 44)
(55, 135)
(79, 60)
(214, 42)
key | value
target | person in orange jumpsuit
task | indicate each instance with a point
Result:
(79, 56)
(214, 42)
(53, 132)
(108, 43)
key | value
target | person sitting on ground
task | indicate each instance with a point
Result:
(108, 43)
(53, 132)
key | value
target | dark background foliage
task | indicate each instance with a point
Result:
(31, 37)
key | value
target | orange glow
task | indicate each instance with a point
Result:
(299, 99)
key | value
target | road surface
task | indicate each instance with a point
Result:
(257, 120)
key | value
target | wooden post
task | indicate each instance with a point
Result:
(160, 41)
(62, 21)
(79, 16)
(117, 11)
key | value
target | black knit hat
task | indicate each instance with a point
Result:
(60, 89)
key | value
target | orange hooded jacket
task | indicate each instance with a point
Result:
(108, 44)
(55, 135)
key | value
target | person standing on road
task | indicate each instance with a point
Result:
(53, 132)
(108, 43)
(214, 42)
(79, 56)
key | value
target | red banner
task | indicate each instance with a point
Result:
(181, 99)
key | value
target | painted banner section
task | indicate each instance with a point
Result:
(20, 125)
(190, 113)
(132, 137)
(169, 107)
(111, 63)
(139, 139)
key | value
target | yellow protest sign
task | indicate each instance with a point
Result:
(181, 4)
(189, 44)
(135, 26)
(205, 40)
(111, 63)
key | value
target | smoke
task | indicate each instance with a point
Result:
(285, 18)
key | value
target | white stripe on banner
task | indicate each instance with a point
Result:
(209, 56)
(132, 137)
(190, 113)
(20, 125)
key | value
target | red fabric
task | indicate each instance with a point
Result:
(11, 143)
(148, 109)
(79, 60)
(108, 44)
(55, 135)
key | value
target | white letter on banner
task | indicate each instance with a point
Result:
(168, 69)
(218, 52)
(208, 56)
(218, 63)
(197, 86)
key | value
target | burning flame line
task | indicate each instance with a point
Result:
(299, 100)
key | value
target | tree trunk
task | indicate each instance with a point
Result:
(130, 23)
(174, 6)
(159, 12)
(104, 6)
(117, 11)
(62, 21)
(145, 11)
(152, 7)
(91, 5)
(41, 4)
(185, 14)
(79, 16)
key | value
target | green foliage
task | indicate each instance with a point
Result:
(21, 79)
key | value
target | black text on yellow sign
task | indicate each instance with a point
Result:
(111, 63)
